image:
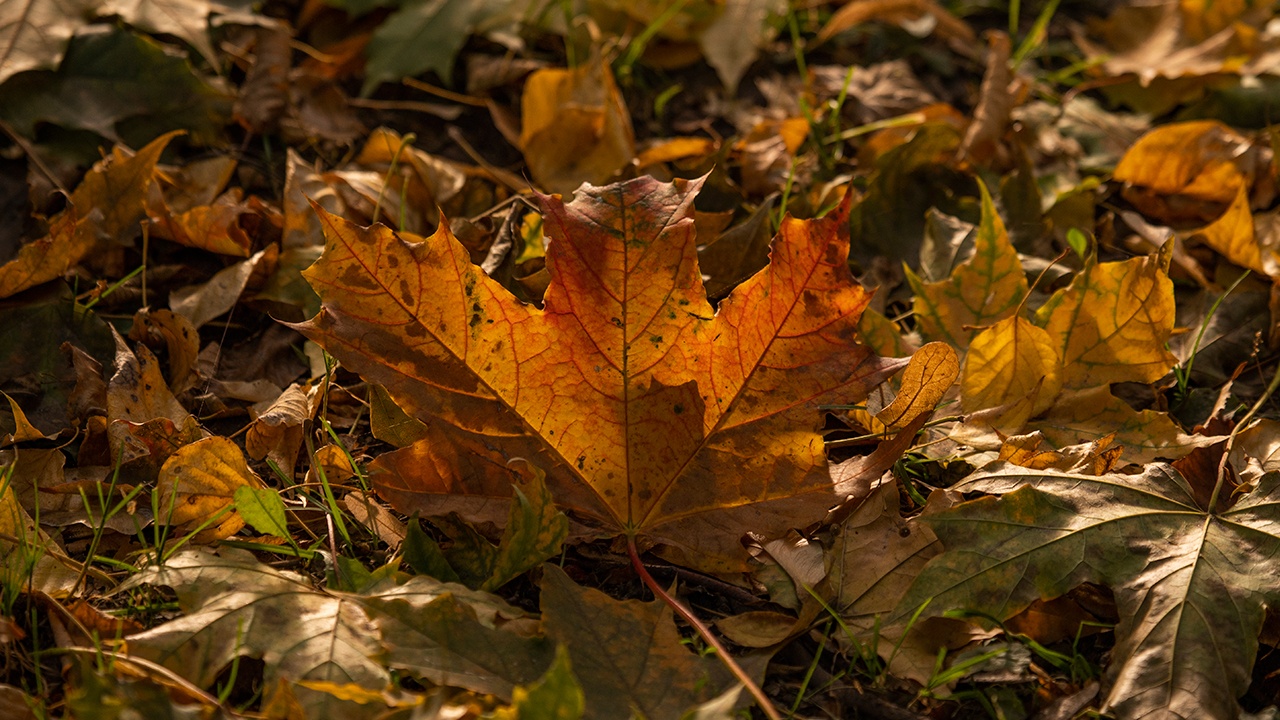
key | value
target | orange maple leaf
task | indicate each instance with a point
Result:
(650, 411)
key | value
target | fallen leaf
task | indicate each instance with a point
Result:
(555, 696)
(985, 289)
(856, 12)
(1012, 364)
(1113, 323)
(575, 126)
(145, 419)
(1198, 162)
(32, 561)
(1234, 237)
(186, 19)
(929, 375)
(107, 205)
(34, 33)
(237, 607)
(1084, 415)
(262, 509)
(202, 303)
(628, 654)
(1190, 585)
(627, 389)
(535, 531)
(740, 30)
(424, 35)
(120, 85)
(457, 637)
(200, 483)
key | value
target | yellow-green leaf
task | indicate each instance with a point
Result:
(1112, 324)
(985, 289)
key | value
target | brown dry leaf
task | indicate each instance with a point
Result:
(996, 100)
(145, 419)
(106, 206)
(626, 388)
(47, 258)
(23, 430)
(28, 556)
(198, 483)
(986, 288)
(1172, 50)
(277, 433)
(575, 126)
(767, 153)
(854, 13)
(224, 226)
(179, 339)
(1014, 365)
(1113, 323)
(202, 303)
(1084, 415)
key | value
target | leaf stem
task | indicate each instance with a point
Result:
(705, 632)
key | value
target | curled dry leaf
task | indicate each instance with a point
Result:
(627, 388)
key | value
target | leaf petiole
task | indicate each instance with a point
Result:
(705, 632)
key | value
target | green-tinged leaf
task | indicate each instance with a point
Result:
(391, 424)
(909, 179)
(98, 693)
(627, 654)
(985, 289)
(263, 509)
(424, 35)
(556, 695)
(457, 637)
(1112, 324)
(423, 554)
(1190, 585)
(535, 531)
(119, 85)
(235, 606)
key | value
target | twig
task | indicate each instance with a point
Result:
(705, 632)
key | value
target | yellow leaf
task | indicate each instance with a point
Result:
(929, 375)
(1012, 364)
(1197, 160)
(576, 127)
(198, 482)
(1233, 236)
(986, 288)
(1083, 415)
(1112, 324)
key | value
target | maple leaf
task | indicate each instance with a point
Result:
(650, 412)
(1191, 584)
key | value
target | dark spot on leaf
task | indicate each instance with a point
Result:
(678, 409)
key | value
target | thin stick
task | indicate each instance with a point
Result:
(761, 699)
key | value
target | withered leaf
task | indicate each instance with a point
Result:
(627, 388)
